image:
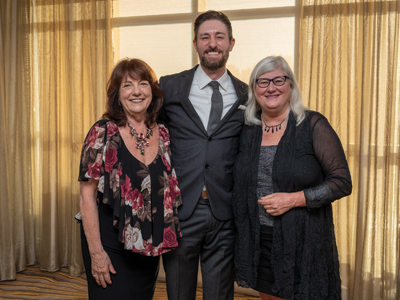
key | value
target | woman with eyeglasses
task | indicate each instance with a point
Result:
(290, 168)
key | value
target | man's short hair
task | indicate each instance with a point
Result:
(212, 15)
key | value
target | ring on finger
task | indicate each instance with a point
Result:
(94, 276)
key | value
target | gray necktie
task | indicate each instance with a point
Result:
(216, 107)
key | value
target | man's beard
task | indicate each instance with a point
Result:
(212, 64)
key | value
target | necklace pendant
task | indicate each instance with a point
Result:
(275, 128)
(141, 141)
(149, 133)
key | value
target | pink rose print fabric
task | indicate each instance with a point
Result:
(144, 198)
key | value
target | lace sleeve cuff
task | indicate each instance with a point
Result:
(318, 196)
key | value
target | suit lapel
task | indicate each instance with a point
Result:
(185, 83)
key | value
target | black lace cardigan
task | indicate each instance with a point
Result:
(304, 257)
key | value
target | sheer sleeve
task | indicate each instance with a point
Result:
(329, 152)
(92, 153)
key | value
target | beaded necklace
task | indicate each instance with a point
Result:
(141, 139)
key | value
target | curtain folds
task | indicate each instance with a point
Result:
(55, 59)
(17, 233)
(349, 71)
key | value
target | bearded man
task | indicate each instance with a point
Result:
(201, 108)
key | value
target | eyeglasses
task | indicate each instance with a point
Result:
(278, 81)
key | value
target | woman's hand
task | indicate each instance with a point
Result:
(101, 263)
(278, 203)
(101, 268)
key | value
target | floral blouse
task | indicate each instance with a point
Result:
(144, 198)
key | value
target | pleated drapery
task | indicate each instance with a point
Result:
(17, 233)
(55, 59)
(350, 71)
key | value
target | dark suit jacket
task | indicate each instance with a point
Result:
(200, 159)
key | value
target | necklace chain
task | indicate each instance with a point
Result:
(277, 127)
(141, 139)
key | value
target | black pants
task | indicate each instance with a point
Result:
(265, 275)
(136, 274)
(211, 240)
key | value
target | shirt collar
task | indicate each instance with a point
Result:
(203, 79)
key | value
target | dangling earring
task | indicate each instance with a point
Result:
(119, 103)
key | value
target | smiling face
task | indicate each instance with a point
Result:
(273, 100)
(213, 45)
(135, 96)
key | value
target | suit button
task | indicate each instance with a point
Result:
(210, 138)
(207, 166)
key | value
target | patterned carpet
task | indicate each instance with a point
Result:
(34, 284)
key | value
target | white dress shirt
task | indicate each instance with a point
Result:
(200, 94)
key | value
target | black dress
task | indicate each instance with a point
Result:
(137, 211)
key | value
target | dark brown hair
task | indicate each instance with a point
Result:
(212, 15)
(139, 70)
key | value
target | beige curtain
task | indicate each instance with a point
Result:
(55, 59)
(350, 71)
(16, 231)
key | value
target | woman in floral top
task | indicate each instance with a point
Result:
(129, 192)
